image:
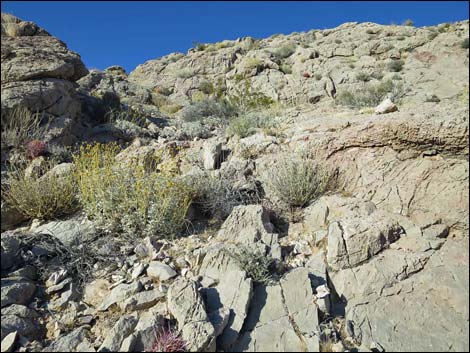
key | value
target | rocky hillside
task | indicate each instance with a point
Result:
(304, 192)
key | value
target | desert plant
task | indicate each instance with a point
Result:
(206, 87)
(298, 180)
(242, 126)
(286, 68)
(254, 263)
(46, 197)
(185, 73)
(371, 95)
(245, 98)
(206, 108)
(395, 65)
(133, 199)
(19, 125)
(432, 35)
(168, 340)
(408, 22)
(36, 148)
(217, 196)
(284, 51)
(464, 44)
(363, 76)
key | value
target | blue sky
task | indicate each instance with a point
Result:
(129, 33)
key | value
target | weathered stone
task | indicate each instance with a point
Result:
(17, 291)
(119, 294)
(387, 106)
(75, 341)
(70, 232)
(8, 342)
(142, 300)
(122, 329)
(211, 154)
(160, 271)
(187, 306)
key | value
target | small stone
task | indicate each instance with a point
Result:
(59, 286)
(387, 106)
(376, 347)
(142, 300)
(138, 270)
(322, 291)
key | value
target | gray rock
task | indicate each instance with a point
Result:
(150, 321)
(70, 232)
(142, 300)
(20, 311)
(24, 326)
(219, 319)
(122, 329)
(187, 306)
(119, 294)
(75, 341)
(16, 291)
(160, 271)
(10, 247)
(387, 106)
(211, 154)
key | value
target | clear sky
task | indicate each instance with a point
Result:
(128, 33)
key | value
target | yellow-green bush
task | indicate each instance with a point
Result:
(46, 197)
(129, 198)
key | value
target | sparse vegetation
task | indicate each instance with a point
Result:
(371, 95)
(395, 65)
(408, 22)
(246, 98)
(42, 195)
(208, 108)
(284, 51)
(464, 43)
(206, 87)
(185, 73)
(255, 264)
(363, 76)
(298, 180)
(135, 200)
(19, 126)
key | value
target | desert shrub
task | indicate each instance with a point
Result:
(199, 46)
(46, 197)
(442, 28)
(464, 43)
(433, 35)
(371, 95)
(253, 63)
(317, 77)
(19, 125)
(206, 87)
(166, 91)
(395, 65)
(286, 68)
(170, 108)
(284, 51)
(298, 180)
(338, 41)
(168, 340)
(185, 73)
(245, 98)
(254, 263)
(242, 126)
(134, 200)
(363, 76)
(217, 196)
(408, 22)
(207, 108)
(192, 129)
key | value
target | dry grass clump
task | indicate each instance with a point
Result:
(48, 196)
(255, 264)
(19, 126)
(133, 200)
(371, 95)
(297, 181)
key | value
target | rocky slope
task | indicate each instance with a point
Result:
(379, 263)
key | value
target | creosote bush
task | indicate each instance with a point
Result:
(297, 181)
(135, 199)
(395, 65)
(46, 197)
(255, 264)
(284, 51)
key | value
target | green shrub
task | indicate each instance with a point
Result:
(408, 22)
(363, 76)
(433, 35)
(135, 200)
(297, 181)
(464, 43)
(254, 263)
(395, 65)
(185, 73)
(338, 41)
(371, 95)
(206, 108)
(246, 98)
(42, 195)
(206, 87)
(284, 51)
(286, 68)
(242, 126)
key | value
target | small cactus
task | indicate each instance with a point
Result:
(36, 148)
(168, 340)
